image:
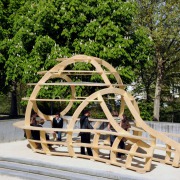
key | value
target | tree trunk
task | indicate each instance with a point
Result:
(14, 111)
(157, 100)
(158, 89)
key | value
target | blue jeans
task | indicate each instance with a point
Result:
(59, 136)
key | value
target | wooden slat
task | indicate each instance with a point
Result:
(61, 59)
(82, 97)
(31, 84)
(82, 144)
(102, 147)
(74, 72)
(171, 134)
(133, 128)
(133, 153)
(164, 149)
(42, 72)
(71, 84)
(55, 143)
(77, 84)
(77, 72)
(55, 100)
(32, 140)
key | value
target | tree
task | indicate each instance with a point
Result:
(161, 21)
(171, 95)
(3, 50)
(40, 31)
(144, 63)
(17, 50)
(8, 8)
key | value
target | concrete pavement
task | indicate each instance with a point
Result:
(20, 151)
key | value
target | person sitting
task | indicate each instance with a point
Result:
(34, 133)
(33, 122)
(40, 124)
(57, 123)
(124, 123)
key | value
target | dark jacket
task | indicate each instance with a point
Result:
(57, 124)
(35, 133)
(84, 123)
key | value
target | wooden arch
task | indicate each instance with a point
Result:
(139, 150)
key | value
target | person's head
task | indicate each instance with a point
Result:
(86, 112)
(57, 115)
(41, 122)
(124, 116)
(34, 115)
(33, 121)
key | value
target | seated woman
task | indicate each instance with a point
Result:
(124, 123)
(35, 133)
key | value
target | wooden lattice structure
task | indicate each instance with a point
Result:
(139, 152)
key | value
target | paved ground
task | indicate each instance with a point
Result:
(4, 177)
(20, 150)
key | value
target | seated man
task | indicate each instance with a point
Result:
(57, 123)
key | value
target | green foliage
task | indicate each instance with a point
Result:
(5, 104)
(34, 33)
(42, 31)
(97, 114)
(170, 111)
(127, 74)
(146, 110)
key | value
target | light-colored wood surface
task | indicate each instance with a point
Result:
(139, 151)
(77, 72)
(76, 84)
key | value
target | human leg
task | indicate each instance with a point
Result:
(121, 146)
(59, 136)
(88, 137)
(83, 141)
(112, 138)
(47, 136)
